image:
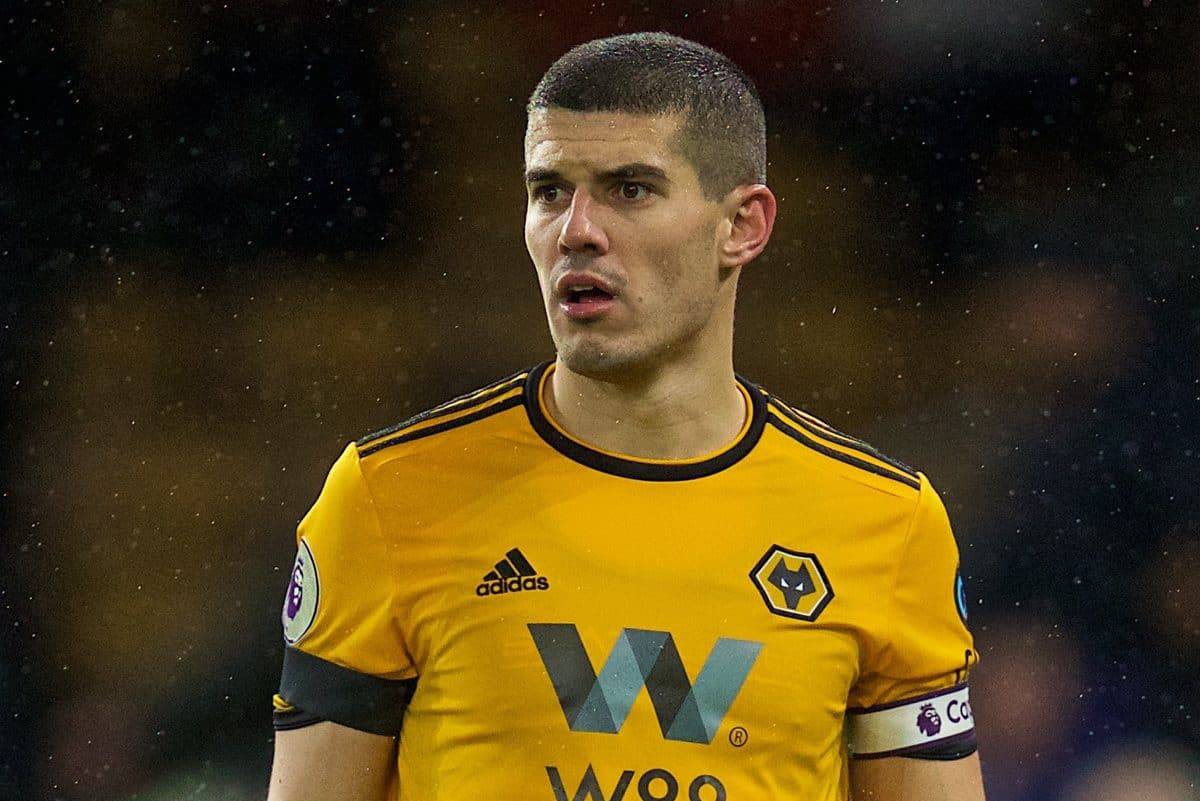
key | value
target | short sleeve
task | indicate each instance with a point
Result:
(911, 695)
(346, 660)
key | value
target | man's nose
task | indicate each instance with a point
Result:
(581, 231)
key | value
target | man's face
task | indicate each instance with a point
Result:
(609, 196)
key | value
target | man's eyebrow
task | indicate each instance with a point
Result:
(623, 172)
(636, 170)
(539, 174)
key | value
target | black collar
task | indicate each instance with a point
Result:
(634, 467)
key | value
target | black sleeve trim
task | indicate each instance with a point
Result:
(325, 691)
(948, 750)
(294, 718)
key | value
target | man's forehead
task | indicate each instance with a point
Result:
(594, 139)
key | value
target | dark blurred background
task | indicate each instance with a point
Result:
(236, 235)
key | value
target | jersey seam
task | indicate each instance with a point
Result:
(470, 415)
(826, 449)
(470, 401)
(842, 439)
(379, 524)
(904, 548)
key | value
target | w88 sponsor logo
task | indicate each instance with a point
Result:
(656, 784)
(599, 702)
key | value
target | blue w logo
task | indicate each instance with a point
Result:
(687, 712)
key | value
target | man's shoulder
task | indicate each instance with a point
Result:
(841, 451)
(461, 411)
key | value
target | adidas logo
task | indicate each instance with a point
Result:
(512, 574)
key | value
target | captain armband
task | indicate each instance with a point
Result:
(936, 725)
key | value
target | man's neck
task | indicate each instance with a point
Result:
(679, 412)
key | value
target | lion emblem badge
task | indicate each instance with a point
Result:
(303, 595)
(928, 720)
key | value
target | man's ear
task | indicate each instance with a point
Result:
(751, 217)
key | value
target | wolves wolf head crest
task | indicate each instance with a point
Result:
(795, 584)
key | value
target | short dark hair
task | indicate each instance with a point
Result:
(724, 131)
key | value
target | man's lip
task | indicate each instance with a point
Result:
(586, 311)
(567, 280)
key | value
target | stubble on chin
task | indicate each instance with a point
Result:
(587, 357)
(629, 356)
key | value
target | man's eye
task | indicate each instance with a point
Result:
(546, 194)
(630, 190)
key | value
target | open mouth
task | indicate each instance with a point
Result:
(586, 302)
(589, 295)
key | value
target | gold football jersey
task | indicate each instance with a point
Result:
(537, 618)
